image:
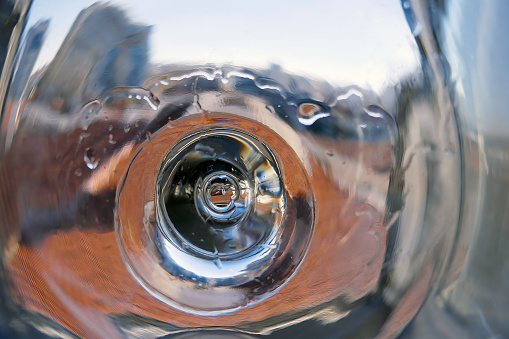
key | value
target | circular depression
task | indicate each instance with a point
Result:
(220, 195)
(209, 220)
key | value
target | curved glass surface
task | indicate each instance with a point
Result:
(225, 169)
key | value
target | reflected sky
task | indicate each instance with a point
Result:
(367, 42)
(476, 45)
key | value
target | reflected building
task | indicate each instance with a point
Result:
(103, 49)
(30, 51)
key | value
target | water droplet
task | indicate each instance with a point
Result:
(204, 148)
(363, 212)
(308, 113)
(417, 29)
(110, 128)
(89, 113)
(91, 159)
(83, 136)
(129, 97)
(127, 128)
(406, 4)
(110, 139)
(78, 172)
(269, 246)
(218, 263)
(307, 110)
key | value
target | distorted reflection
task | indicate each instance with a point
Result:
(176, 196)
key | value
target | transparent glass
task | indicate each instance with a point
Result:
(225, 169)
